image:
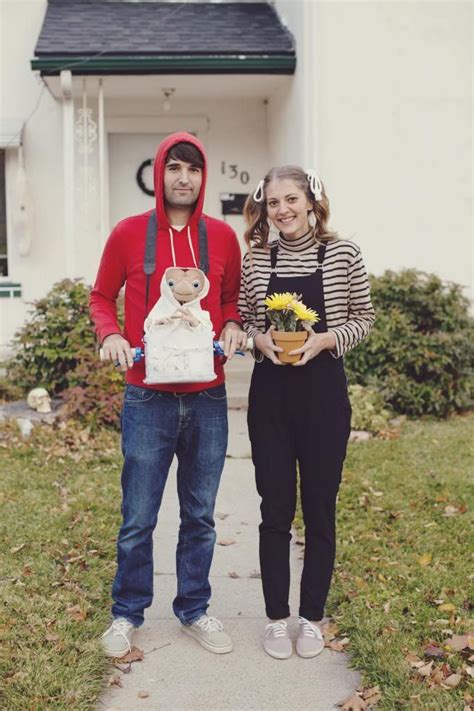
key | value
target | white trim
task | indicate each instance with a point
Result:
(68, 167)
(10, 132)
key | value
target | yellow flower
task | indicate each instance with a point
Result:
(278, 302)
(303, 313)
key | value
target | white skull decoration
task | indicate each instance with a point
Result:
(39, 400)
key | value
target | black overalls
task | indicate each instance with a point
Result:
(298, 415)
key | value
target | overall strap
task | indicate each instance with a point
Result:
(273, 257)
(321, 255)
(203, 251)
(149, 261)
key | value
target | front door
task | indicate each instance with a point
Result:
(131, 173)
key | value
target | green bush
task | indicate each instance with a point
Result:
(420, 353)
(95, 393)
(49, 346)
(368, 410)
(56, 349)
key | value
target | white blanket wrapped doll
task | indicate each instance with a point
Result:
(178, 333)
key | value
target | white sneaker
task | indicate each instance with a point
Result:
(117, 640)
(310, 641)
(209, 632)
(277, 641)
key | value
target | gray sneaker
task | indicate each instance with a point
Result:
(117, 640)
(310, 641)
(209, 632)
(277, 642)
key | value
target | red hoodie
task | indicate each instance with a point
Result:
(122, 263)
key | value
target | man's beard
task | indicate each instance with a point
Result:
(185, 201)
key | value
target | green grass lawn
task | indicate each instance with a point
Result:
(398, 557)
(58, 522)
(404, 567)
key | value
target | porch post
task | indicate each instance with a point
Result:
(102, 198)
(68, 171)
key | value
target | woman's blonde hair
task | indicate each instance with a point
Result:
(256, 214)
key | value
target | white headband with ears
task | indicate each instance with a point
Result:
(314, 183)
(259, 194)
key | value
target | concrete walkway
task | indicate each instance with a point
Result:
(176, 672)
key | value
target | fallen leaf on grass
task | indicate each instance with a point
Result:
(338, 645)
(425, 559)
(447, 607)
(330, 631)
(469, 671)
(17, 549)
(458, 642)
(226, 542)
(233, 575)
(77, 613)
(414, 660)
(143, 694)
(372, 695)
(453, 510)
(452, 681)
(425, 669)
(114, 680)
(433, 650)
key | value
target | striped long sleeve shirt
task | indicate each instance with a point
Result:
(349, 311)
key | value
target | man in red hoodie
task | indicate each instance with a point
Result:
(159, 421)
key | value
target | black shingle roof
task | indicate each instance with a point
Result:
(128, 27)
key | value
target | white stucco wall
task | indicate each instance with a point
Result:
(233, 130)
(380, 105)
(289, 131)
(393, 120)
(20, 91)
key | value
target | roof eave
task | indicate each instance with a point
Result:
(166, 64)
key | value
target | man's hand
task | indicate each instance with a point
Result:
(315, 343)
(117, 349)
(264, 343)
(234, 339)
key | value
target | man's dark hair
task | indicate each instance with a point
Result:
(186, 152)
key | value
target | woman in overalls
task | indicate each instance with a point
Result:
(299, 415)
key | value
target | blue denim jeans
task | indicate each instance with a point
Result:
(156, 426)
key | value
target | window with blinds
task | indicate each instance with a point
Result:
(3, 219)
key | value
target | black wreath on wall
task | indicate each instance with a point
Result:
(139, 177)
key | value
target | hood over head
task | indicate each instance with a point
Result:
(158, 177)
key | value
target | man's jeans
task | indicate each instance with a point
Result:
(155, 426)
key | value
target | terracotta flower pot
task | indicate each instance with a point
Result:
(289, 341)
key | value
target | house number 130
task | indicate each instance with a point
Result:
(232, 171)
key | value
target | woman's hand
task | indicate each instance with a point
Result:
(315, 343)
(265, 344)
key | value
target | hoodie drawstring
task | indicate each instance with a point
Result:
(190, 247)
